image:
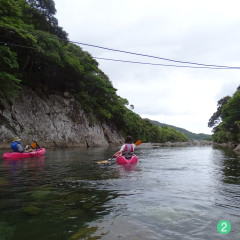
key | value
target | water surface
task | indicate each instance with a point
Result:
(173, 193)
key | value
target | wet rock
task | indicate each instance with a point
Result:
(237, 148)
(31, 210)
(41, 194)
(3, 181)
(85, 233)
(6, 231)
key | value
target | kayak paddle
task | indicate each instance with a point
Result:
(138, 142)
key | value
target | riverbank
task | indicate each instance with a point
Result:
(234, 146)
(143, 145)
(176, 144)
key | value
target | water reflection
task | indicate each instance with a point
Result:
(231, 167)
(227, 164)
(36, 163)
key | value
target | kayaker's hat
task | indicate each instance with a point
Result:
(16, 139)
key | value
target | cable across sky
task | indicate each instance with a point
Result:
(199, 65)
(164, 65)
(161, 58)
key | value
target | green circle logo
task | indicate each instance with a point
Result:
(224, 227)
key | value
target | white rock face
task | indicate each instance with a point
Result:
(52, 120)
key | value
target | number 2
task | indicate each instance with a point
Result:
(224, 227)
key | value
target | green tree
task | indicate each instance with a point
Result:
(216, 117)
(227, 119)
(9, 83)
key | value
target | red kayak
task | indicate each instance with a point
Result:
(121, 160)
(17, 155)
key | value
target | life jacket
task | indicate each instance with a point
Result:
(34, 145)
(128, 150)
(14, 146)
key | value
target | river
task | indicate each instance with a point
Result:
(174, 193)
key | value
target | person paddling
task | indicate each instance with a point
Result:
(127, 149)
(16, 145)
(34, 146)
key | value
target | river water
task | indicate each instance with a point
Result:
(173, 193)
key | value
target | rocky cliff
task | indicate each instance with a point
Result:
(53, 120)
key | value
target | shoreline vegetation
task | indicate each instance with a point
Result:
(226, 122)
(177, 144)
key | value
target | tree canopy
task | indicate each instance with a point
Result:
(35, 52)
(226, 120)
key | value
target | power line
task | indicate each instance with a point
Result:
(135, 62)
(160, 64)
(17, 45)
(213, 66)
(161, 58)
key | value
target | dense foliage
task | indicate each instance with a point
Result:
(188, 134)
(226, 120)
(35, 52)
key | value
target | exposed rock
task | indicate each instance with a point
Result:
(231, 145)
(52, 120)
(31, 210)
(237, 148)
(226, 145)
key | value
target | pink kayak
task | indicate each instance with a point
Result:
(121, 160)
(17, 155)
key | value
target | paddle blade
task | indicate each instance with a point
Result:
(103, 162)
(138, 142)
(106, 162)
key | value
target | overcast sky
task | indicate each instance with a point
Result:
(204, 31)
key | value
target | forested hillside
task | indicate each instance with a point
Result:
(226, 120)
(36, 53)
(188, 134)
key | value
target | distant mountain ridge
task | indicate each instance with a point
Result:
(190, 135)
